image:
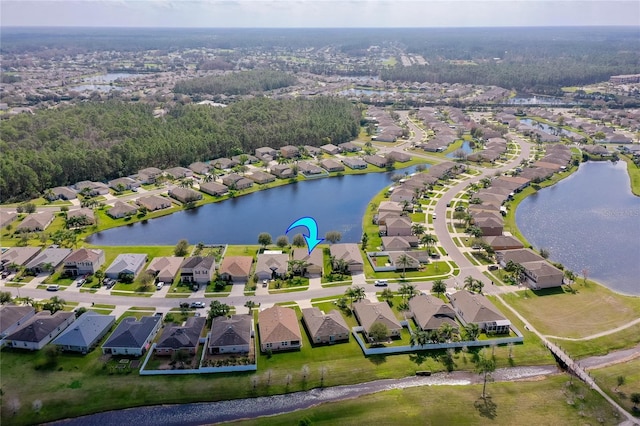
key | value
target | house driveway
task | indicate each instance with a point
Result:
(238, 289)
(358, 279)
(315, 283)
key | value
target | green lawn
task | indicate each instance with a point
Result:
(549, 401)
(623, 339)
(607, 379)
(634, 175)
(558, 312)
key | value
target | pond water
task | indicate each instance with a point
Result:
(102, 82)
(536, 100)
(589, 220)
(337, 203)
(545, 127)
(466, 148)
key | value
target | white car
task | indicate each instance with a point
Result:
(197, 305)
(159, 285)
(381, 283)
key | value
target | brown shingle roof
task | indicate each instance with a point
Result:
(278, 324)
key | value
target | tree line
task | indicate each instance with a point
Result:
(101, 141)
(240, 83)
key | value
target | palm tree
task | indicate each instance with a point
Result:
(386, 295)
(49, 195)
(407, 291)
(446, 332)
(439, 287)
(428, 240)
(419, 338)
(403, 261)
(469, 283)
(471, 331)
(417, 229)
(354, 293)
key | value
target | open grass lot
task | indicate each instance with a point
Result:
(547, 402)
(607, 378)
(634, 175)
(602, 345)
(592, 309)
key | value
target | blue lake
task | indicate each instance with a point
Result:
(466, 148)
(337, 203)
(589, 220)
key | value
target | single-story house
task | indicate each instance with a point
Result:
(400, 243)
(235, 181)
(330, 149)
(283, 171)
(40, 329)
(261, 177)
(149, 175)
(84, 261)
(541, 274)
(231, 335)
(354, 163)
(391, 207)
(266, 151)
(223, 163)
(179, 172)
(307, 168)
(248, 159)
(35, 222)
(236, 268)
(402, 194)
(154, 202)
(517, 256)
(177, 337)
(325, 328)
(18, 256)
(312, 150)
(200, 168)
(400, 157)
(92, 188)
(503, 242)
(369, 313)
(350, 253)
(289, 151)
(86, 216)
(430, 313)
(48, 260)
(121, 209)
(7, 217)
(271, 265)
(403, 260)
(126, 263)
(12, 317)
(476, 308)
(165, 268)
(314, 261)
(331, 165)
(85, 333)
(198, 269)
(376, 160)
(185, 195)
(396, 226)
(213, 188)
(123, 183)
(63, 193)
(490, 227)
(279, 329)
(132, 336)
(349, 147)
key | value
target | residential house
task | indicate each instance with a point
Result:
(271, 265)
(400, 157)
(17, 256)
(312, 150)
(541, 274)
(314, 261)
(179, 172)
(40, 329)
(149, 175)
(399, 243)
(476, 308)
(235, 181)
(198, 269)
(350, 253)
(289, 151)
(48, 260)
(12, 317)
(391, 207)
(489, 226)
(92, 189)
(266, 153)
(177, 337)
(123, 183)
(35, 222)
(7, 217)
(309, 169)
(214, 188)
(63, 193)
(185, 195)
(261, 177)
(376, 160)
(236, 268)
(84, 261)
(231, 335)
(223, 163)
(154, 202)
(83, 216)
(369, 313)
(503, 242)
(517, 256)
(85, 333)
(200, 168)
(396, 226)
(331, 165)
(121, 209)
(126, 263)
(349, 147)
(132, 336)
(403, 260)
(279, 329)
(283, 171)
(402, 194)
(330, 149)
(354, 163)
(430, 313)
(245, 159)
(165, 268)
(325, 328)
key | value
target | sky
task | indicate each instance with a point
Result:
(318, 13)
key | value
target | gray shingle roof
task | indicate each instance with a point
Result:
(320, 324)
(234, 331)
(85, 330)
(132, 333)
(187, 336)
(39, 326)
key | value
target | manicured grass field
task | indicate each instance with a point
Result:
(550, 401)
(634, 175)
(623, 339)
(592, 309)
(607, 378)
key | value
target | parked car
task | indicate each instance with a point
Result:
(493, 267)
(80, 282)
(109, 282)
(381, 283)
(159, 285)
(265, 283)
(53, 287)
(184, 305)
(197, 305)
(5, 274)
